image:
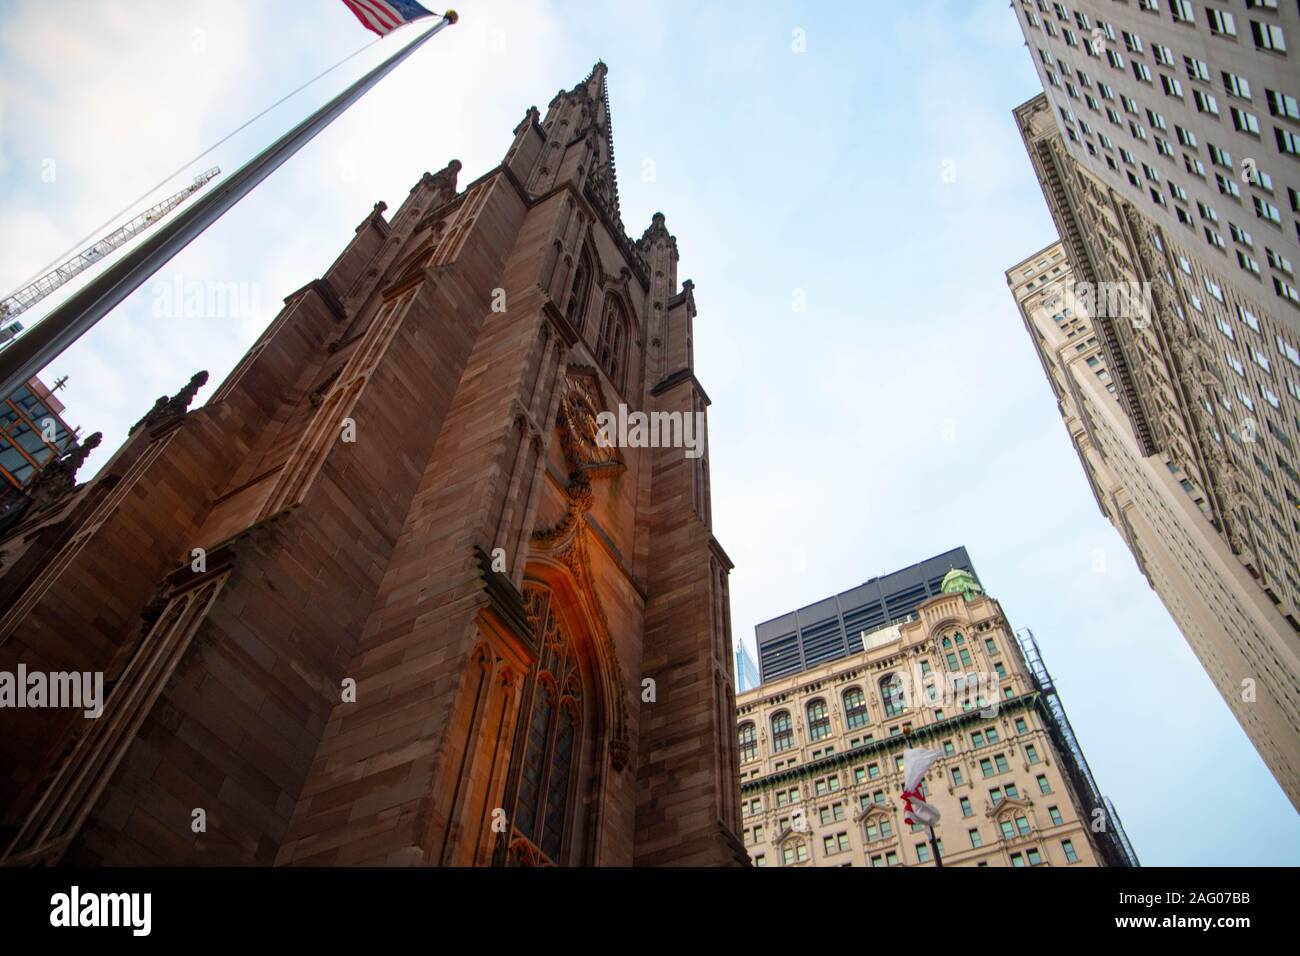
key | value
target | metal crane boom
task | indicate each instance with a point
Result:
(26, 297)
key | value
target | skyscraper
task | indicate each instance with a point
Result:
(746, 670)
(1161, 514)
(821, 751)
(1166, 149)
(387, 598)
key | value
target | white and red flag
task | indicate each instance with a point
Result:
(916, 761)
(385, 16)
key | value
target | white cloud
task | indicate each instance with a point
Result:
(119, 94)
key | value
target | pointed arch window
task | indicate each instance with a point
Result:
(748, 738)
(782, 731)
(611, 347)
(578, 298)
(549, 750)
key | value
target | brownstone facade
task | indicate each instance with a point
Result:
(387, 598)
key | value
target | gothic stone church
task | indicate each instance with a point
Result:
(434, 620)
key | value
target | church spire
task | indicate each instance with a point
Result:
(579, 143)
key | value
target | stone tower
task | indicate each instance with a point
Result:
(392, 596)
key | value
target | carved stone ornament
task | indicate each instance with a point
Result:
(580, 403)
(58, 478)
(166, 409)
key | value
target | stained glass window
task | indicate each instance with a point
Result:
(552, 744)
(613, 335)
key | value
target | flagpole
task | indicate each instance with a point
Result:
(934, 846)
(48, 338)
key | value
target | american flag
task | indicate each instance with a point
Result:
(385, 16)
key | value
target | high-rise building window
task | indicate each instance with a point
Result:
(974, 837)
(1287, 141)
(1268, 36)
(966, 809)
(1282, 104)
(1055, 814)
(1070, 855)
(1221, 22)
(1044, 786)
(782, 731)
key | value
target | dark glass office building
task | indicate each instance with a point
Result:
(831, 629)
(32, 433)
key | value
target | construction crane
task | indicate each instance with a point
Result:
(26, 297)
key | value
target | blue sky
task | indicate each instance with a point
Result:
(902, 414)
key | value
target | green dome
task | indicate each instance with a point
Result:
(961, 582)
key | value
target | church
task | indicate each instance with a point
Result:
(387, 598)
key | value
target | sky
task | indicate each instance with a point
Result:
(847, 187)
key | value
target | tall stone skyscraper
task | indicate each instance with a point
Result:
(388, 598)
(1167, 146)
(1160, 512)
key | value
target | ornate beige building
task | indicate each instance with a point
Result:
(1206, 399)
(821, 752)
